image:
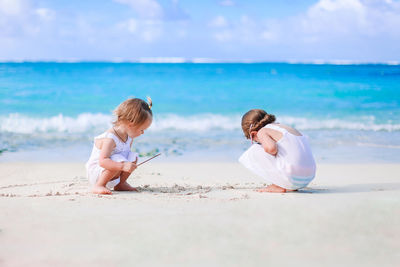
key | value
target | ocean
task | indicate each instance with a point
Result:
(51, 111)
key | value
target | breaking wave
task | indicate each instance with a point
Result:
(97, 122)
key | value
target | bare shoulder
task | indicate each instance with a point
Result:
(289, 129)
(271, 133)
(267, 141)
(262, 132)
(265, 134)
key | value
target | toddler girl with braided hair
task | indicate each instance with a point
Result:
(281, 154)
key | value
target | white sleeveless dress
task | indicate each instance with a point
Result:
(293, 167)
(122, 152)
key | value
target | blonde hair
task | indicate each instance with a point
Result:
(133, 110)
(254, 120)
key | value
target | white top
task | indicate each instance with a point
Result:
(122, 152)
(294, 155)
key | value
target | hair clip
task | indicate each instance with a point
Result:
(149, 102)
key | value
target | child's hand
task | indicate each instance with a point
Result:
(128, 166)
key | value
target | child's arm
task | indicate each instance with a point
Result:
(133, 156)
(107, 146)
(267, 142)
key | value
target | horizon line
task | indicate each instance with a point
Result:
(181, 60)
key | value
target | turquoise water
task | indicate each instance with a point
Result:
(350, 112)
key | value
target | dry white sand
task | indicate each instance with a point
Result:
(199, 214)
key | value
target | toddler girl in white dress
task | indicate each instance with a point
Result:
(282, 155)
(111, 161)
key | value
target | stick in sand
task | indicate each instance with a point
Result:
(148, 159)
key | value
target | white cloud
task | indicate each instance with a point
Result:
(152, 30)
(219, 22)
(227, 3)
(13, 7)
(150, 9)
(129, 25)
(147, 30)
(223, 36)
(181, 32)
(45, 13)
(334, 16)
(335, 5)
(244, 30)
(328, 27)
(269, 36)
(323, 22)
(349, 19)
(22, 17)
(149, 25)
(337, 29)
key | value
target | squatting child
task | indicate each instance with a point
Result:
(282, 155)
(112, 161)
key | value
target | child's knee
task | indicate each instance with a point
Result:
(112, 174)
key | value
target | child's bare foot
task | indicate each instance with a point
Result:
(124, 186)
(291, 190)
(273, 189)
(98, 189)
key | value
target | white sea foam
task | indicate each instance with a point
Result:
(92, 123)
(162, 60)
(378, 145)
(340, 62)
(201, 122)
(204, 60)
(366, 123)
(17, 123)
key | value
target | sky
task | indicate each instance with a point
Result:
(200, 30)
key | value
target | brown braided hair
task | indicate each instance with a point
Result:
(133, 110)
(256, 118)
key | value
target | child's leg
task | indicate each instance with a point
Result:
(264, 165)
(123, 184)
(105, 177)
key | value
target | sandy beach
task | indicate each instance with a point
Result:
(199, 82)
(199, 214)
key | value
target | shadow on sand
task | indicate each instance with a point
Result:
(352, 188)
